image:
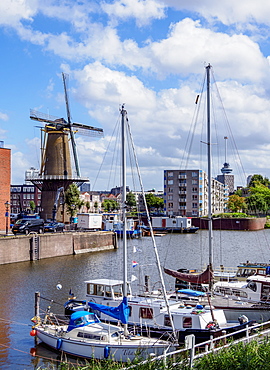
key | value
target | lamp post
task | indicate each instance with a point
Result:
(7, 204)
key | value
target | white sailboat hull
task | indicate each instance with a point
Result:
(120, 350)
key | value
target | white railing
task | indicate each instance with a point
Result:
(249, 333)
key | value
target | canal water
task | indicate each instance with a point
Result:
(20, 281)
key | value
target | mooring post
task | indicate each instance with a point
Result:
(37, 302)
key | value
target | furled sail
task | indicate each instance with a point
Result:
(204, 277)
(120, 312)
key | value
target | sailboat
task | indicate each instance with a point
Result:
(233, 308)
(154, 314)
(85, 335)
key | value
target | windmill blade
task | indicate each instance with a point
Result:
(87, 130)
(43, 117)
(74, 149)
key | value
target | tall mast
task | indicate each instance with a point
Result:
(210, 226)
(123, 114)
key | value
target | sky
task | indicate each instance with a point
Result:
(150, 55)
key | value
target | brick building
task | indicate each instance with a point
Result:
(5, 169)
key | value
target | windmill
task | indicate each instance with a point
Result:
(56, 169)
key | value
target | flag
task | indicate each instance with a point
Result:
(134, 263)
(134, 249)
(133, 278)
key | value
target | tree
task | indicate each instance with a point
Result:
(72, 200)
(110, 205)
(131, 200)
(236, 203)
(95, 206)
(256, 203)
(258, 179)
(87, 205)
(153, 202)
(32, 206)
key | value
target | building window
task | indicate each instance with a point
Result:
(194, 174)
(170, 182)
(170, 174)
(194, 205)
(194, 190)
(170, 205)
(170, 197)
(194, 182)
(194, 197)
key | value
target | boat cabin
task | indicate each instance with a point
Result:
(106, 288)
(256, 288)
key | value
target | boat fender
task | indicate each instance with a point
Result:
(106, 352)
(242, 319)
(59, 343)
(33, 332)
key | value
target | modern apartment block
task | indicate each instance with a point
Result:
(186, 193)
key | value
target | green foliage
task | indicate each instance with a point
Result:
(258, 179)
(131, 200)
(231, 215)
(236, 203)
(32, 206)
(95, 205)
(87, 205)
(153, 202)
(72, 200)
(250, 356)
(110, 205)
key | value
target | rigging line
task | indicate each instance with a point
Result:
(229, 127)
(153, 238)
(115, 157)
(194, 122)
(105, 154)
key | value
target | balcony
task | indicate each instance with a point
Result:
(182, 176)
(182, 207)
(182, 200)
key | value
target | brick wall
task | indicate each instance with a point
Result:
(5, 155)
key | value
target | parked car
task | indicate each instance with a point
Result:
(26, 226)
(53, 227)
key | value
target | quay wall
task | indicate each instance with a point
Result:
(23, 248)
(251, 224)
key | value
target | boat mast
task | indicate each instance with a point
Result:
(210, 223)
(124, 191)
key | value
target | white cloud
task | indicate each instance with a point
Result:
(144, 11)
(3, 116)
(226, 11)
(12, 12)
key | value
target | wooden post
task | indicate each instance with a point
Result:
(37, 302)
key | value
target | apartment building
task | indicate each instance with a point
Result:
(20, 197)
(186, 193)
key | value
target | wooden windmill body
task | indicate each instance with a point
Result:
(55, 174)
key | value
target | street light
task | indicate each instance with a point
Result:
(7, 204)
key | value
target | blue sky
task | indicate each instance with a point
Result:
(149, 54)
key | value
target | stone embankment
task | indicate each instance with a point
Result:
(251, 224)
(32, 247)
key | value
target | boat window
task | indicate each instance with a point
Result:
(167, 321)
(252, 285)
(239, 293)
(108, 291)
(187, 322)
(130, 310)
(100, 290)
(117, 290)
(92, 289)
(146, 313)
(81, 334)
(265, 295)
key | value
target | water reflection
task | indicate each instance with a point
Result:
(20, 281)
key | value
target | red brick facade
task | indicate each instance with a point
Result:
(5, 161)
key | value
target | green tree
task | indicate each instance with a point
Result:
(87, 205)
(96, 206)
(72, 200)
(256, 203)
(32, 206)
(236, 203)
(258, 179)
(110, 205)
(153, 202)
(131, 200)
